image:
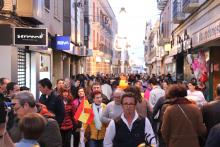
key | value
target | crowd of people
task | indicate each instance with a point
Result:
(148, 111)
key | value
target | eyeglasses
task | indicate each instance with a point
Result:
(16, 109)
(128, 104)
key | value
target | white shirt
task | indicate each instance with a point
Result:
(107, 90)
(196, 96)
(110, 132)
(155, 94)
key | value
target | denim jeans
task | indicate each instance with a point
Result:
(96, 143)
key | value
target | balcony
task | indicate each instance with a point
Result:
(161, 4)
(162, 40)
(178, 15)
(190, 5)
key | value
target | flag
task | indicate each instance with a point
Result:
(84, 113)
(123, 84)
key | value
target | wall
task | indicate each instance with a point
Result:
(53, 18)
(8, 62)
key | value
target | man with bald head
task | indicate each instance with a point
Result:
(211, 111)
(114, 108)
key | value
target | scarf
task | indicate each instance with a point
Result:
(97, 116)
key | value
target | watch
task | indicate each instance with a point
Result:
(1, 4)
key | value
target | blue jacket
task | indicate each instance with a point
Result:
(27, 143)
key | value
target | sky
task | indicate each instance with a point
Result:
(138, 13)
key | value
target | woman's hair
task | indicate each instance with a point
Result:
(94, 93)
(136, 91)
(176, 91)
(32, 126)
(193, 83)
(77, 95)
(70, 97)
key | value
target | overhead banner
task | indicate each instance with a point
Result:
(30, 36)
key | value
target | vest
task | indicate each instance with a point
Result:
(126, 138)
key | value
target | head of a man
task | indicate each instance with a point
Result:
(23, 103)
(32, 126)
(153, 82)
(128, 101)
(117, 94)
(97, 97)
(45, 86)
(12, 88)
(77, 83)
(60, 84)
(3, 84)
(138, 84)
(96, 86)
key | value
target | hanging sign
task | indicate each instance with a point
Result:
(62, 42)
(30, 36)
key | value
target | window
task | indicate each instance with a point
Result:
(47, 4)
(94, 12)
(97, 41)
(56, 9)
(21, 67)
(94, 47)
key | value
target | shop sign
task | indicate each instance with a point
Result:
(89, 52)
(62, 42)
(107, 61)
(82, 51)
(173, 51)
(187, 44)
(209, 33)
(76, 50)
(98, 59)
(71, 49)
(30, 36)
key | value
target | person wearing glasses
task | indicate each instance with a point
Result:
(129, 130)
(114, 108)
(24, 104)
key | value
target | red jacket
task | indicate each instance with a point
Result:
(67, 123)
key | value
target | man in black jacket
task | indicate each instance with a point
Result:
(3, 84)
(211, 111)
(49, 98)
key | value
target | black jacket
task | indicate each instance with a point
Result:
(213, 138)
(211, 114)
(55, 105)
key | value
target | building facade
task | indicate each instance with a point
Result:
(32, 49)
(195, 40)
(103, 27)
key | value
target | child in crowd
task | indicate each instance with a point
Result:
(32, 125)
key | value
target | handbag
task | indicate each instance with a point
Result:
(201, 139)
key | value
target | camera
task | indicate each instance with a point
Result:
(5, 107)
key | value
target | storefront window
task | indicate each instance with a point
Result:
(45, 68)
